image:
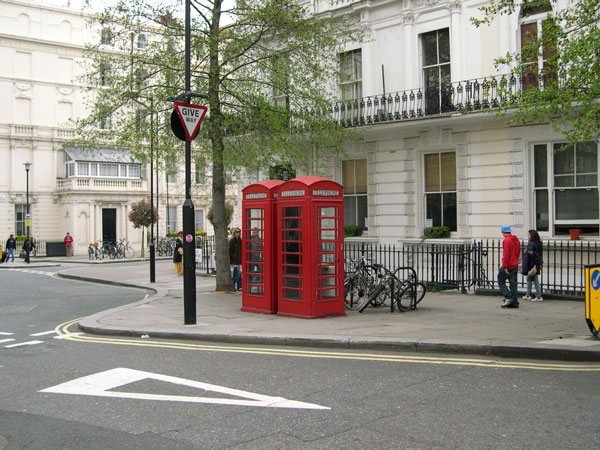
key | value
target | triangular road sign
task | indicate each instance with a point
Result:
(191, 117)
(102, 384)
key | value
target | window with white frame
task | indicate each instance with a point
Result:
(435, 50)
(141, 42)
(172, 218)
(351, 74)
(534, 27)
(199, 213)
(440, 190)
(566, 187)
(280, 75)
(20, 213)
(200, 173)
(354, 173)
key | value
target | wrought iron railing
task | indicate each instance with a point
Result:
(469, 267)
(479, 94)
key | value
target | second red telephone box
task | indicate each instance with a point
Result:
(259, 286)
(310, 238)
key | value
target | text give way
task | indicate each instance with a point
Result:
(102, 383)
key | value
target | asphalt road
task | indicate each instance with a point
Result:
(93, 392)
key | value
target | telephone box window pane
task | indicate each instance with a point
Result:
(327, 294)
(328, 258)
(256, 290)
(255, 224)
(327, 235)
(328, 246)
(327, 223)
(291, 211)
(255, 213)
(291, 294)
(291, 282)
(290, 237)
(328, 212)
(253, 247)
(292, 258)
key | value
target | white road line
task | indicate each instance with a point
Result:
(67, 336)
(5, 340)
(102, 384)
(43, 333)
(24, 343)
(3, 333)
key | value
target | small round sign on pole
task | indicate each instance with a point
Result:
(188, 238)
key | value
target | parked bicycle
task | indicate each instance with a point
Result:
(165, 247)
(94, 252)
(124, 249)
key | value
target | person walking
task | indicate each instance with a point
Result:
(178, 254)
(69, 244)
(511, 247)
(28, 247)
(532, 265)
(11, 245)
(235, 258)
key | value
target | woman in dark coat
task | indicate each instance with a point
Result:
(235, 258)
(178, 254)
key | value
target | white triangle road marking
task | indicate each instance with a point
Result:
(100, 385)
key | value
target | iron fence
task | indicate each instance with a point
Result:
(42, 247)
(474, 266)
(468, 266)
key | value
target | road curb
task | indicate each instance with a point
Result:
(489, 349)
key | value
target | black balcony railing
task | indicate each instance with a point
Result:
(463, 96)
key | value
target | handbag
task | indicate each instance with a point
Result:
(532, 272)
(180, 250)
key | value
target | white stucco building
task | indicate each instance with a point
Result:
(419, 92)
(88, 194)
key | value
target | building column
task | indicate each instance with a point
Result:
(456, 56)
(411, 52)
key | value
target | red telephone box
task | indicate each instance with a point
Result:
(259, 285)
(310, 239)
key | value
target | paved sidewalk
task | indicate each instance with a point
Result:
(445, 322)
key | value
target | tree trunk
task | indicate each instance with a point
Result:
(142, 254)
(215, 133)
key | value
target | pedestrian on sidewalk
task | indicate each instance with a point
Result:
(178, 254)
(28, 247)
(235, 258)
(511, 247)
(11, 245)
(69, 244)
(532, 265)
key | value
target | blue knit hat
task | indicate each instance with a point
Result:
(506, 229)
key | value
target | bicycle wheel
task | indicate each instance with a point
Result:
(406, 297)
(129, 253)
(352, 292)
(91, 253)
(420, 291)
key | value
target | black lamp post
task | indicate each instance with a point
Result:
(27, 216)
(152, 247)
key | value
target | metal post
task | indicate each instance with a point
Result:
(157, 182)
(152, 248)
(27, 216)
(189, 245)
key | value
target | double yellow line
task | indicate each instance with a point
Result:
(63, 331)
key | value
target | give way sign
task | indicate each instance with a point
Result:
(191, 117)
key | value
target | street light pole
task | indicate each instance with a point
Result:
(27, 216)
(152, 248)
(189, 234)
